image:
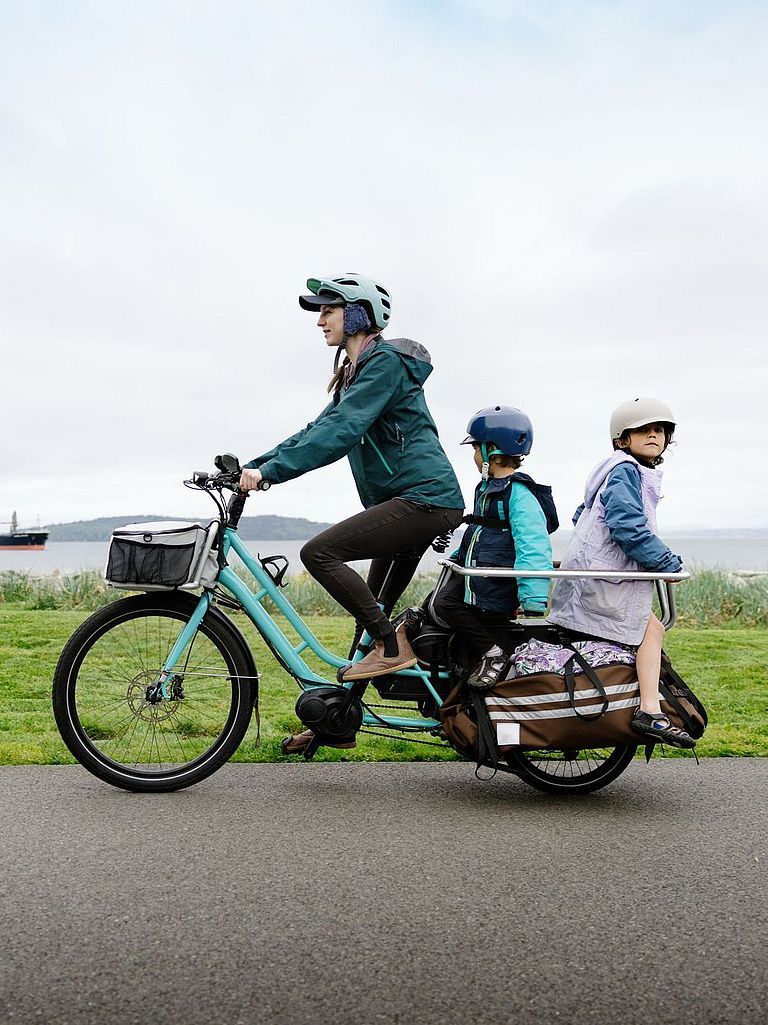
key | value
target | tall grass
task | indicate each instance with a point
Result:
(85, 590)
(715, 598)
(709, 598)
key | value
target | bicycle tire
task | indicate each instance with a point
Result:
(100, 684)
(589, 769)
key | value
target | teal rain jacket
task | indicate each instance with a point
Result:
(381, 422)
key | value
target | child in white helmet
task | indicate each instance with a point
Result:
(616, 530)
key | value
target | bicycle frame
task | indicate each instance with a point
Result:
(289, 655)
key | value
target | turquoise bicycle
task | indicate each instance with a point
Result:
(156, 691)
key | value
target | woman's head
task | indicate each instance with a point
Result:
(643, 427)
(364, 304)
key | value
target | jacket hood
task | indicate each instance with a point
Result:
(597, 478)
(415, 357)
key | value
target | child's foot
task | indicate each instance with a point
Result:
(489, 670)
(658, 726)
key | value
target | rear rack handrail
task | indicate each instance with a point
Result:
(664, 592)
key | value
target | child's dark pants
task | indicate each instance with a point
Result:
(467, 620)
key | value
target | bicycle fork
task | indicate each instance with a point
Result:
(167, 687)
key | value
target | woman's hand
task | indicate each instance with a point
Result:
(250, 480)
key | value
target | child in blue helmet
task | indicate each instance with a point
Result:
(510, 526)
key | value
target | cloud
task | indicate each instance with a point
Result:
(566, 201)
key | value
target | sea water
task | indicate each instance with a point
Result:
(712, 552)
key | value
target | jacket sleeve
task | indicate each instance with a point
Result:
(533, 549)
(288, 443)
(627, 524)
(340, 427)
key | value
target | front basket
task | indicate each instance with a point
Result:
(162, 556)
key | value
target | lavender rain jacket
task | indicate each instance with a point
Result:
(617, 610)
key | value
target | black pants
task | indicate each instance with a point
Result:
(394, 535)
(467, 620)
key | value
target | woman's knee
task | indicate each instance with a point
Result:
(311, 554)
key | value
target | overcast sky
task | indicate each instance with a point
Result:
(568, 201)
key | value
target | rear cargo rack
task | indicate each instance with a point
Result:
(663, 581)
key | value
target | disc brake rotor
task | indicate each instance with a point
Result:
(137, 699)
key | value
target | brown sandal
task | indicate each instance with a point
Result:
(297, 743)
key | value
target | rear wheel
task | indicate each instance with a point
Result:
(102, 694)
(571, 771)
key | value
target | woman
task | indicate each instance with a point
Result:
(378, 418)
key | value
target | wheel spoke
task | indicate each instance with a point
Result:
(113, 684)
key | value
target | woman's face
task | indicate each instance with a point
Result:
(331, 320)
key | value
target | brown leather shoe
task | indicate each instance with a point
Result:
(298, 742)
(376, 663)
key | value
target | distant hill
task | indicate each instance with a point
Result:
(251, 528)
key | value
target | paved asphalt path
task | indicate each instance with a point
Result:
(356, 893)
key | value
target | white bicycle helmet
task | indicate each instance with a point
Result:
(636, 413)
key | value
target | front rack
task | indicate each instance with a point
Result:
(663, 581)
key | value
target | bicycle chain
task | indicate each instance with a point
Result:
(402, 736)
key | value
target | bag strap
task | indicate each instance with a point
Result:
(673, 677)
(487, 751)
(570, 682)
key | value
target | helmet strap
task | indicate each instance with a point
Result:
(338, 371)
(484, 471)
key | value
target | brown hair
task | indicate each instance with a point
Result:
(506, 461)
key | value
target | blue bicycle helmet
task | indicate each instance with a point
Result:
(501, 429)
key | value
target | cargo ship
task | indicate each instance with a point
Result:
(32, 539)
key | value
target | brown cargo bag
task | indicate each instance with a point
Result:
(592, 708)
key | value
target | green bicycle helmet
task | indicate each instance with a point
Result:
(349, 288)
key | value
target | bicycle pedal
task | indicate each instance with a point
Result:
(311, 749)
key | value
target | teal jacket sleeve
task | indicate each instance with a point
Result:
(533, 549)
(340, 427)
(288, 443)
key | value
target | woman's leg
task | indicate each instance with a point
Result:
(387, 579)
(377, 533)
(648, 663)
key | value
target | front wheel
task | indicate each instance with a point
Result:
(104, 704)
(571, 771)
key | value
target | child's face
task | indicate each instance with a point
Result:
(647, 442)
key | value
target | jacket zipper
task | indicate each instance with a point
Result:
(375, 447)
(400, 436)
(469, 595)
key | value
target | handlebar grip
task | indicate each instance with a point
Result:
(264, 485)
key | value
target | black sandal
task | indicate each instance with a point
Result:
(488, 672)
(659, 727)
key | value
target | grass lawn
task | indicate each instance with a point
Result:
(725, 666)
